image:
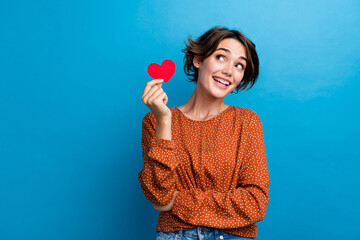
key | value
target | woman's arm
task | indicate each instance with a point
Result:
(163, 129)
(167, 207)
(157, 177)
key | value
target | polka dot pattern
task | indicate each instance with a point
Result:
(218, 166)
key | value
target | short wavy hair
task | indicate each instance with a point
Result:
(206, 45)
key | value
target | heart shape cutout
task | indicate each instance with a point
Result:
(165, 71)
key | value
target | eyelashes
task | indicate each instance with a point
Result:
(222, 56)
(219, 56)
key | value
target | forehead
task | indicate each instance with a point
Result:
(237, 48)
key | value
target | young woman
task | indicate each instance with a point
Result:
(204, 163)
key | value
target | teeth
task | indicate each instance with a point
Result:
(222, 81)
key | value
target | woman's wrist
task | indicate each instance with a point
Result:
(163, 128)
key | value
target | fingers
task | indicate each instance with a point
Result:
(153, 94)
(159, 208)
(162, 208)
(149, 86)
(165, 99)
(157, 97)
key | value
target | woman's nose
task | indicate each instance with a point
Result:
(228, 69)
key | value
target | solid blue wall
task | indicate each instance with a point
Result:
(72, 74)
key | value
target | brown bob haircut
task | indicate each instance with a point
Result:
(206, 45)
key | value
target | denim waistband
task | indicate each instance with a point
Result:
(201, 232)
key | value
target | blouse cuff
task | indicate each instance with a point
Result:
(164, 151)
(163, 143)
(180, 209)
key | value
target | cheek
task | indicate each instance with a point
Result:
(208, 69)
(239, 76)
(213, 65)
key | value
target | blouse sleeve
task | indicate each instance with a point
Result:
(157, 176)
(244, 205)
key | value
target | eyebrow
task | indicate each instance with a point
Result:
(227, 50)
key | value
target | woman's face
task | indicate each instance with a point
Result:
(227, 64)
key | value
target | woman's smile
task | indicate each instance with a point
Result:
(224, 84)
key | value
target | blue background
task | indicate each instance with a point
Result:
(71, 78)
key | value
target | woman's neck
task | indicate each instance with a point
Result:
(200, 108)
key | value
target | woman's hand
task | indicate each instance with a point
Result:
(167, 207)
(156, 99)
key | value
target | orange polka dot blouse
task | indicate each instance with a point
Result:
(218, 166)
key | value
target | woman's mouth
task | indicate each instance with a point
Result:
(221, 83)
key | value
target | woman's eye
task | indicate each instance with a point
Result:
(239, 66)
(220, 57)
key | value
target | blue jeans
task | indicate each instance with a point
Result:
(201, 233)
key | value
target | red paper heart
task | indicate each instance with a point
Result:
(165, 71)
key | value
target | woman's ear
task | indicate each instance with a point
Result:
(196, 61)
